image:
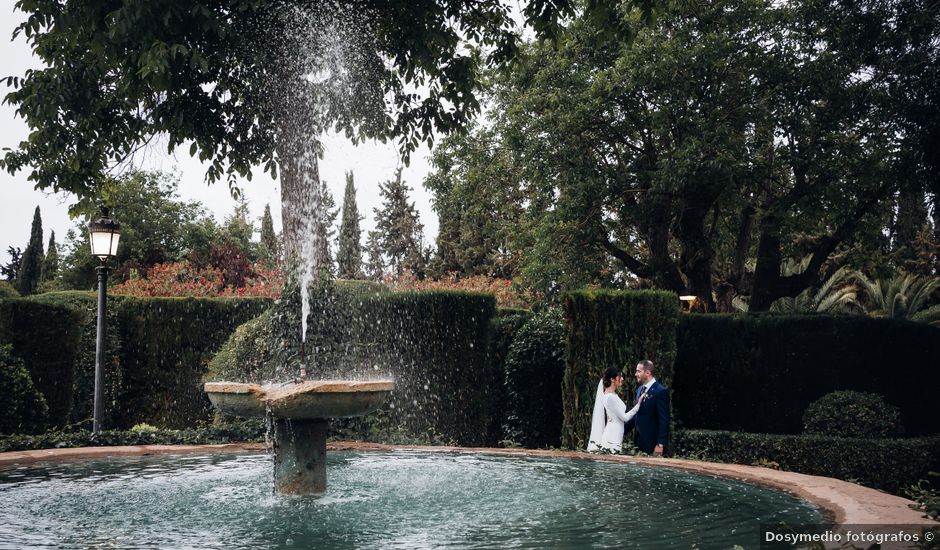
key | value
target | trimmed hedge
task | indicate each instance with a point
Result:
(157, 353)
(435, 346)
(166, 346)
(887, 464)
(759, 373)
(852, 414)
(46, 338)
(232, 432)
(612, 329)
(503, 328)
(535, 367)
(23, 409)
(83, 386)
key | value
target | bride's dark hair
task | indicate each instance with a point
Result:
(610, 374)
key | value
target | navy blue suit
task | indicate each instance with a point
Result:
(651, 423)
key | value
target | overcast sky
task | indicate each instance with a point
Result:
(371, 164)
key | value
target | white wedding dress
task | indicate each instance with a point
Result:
(608, 435)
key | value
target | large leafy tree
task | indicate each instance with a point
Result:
(247, 82)
(724, 139)
(156, 227)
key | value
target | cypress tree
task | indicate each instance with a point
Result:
(399, 228)
(325, 229)
(50, 266)
(269, 245)
(349, 253)
(27, 280)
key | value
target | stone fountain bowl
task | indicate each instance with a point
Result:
(311, 399)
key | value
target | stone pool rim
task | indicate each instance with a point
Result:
(841, 502)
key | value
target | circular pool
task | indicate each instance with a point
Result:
(395, 499)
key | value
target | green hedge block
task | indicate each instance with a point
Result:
(83, 386)
(46, 338)
(612, 329)
(166, 346)
(435, 345)
(23, 408)
(759, 373)
(887, 464)
(535, 367)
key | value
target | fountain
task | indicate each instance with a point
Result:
(301, 411)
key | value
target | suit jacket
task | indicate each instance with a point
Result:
(651, 423)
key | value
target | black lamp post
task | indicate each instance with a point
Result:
(105, 234)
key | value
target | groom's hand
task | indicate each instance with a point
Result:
(658, 450)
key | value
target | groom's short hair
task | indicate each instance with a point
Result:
(647, 365)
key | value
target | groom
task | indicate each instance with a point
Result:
(651, 422)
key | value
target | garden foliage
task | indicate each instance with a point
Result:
(612, 329)
(887, 464)
(534, 369)
(46, 338)
(157, 352)
(23, 409)
(759, 373)
(503, 328)
(852, 414)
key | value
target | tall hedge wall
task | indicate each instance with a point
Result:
(435, 344)
(157, 352)
(46, 338)
(166, 346)
(612, 329)
(758, 373)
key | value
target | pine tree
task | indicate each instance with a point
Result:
(9, 270)
(375, 265)
(50, 266)
(400, 231)
(349, 253)
(326, 230)
(269, 244)
(30, 272)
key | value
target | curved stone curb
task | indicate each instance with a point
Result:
(845, 503)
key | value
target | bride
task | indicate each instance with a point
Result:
(608, 435)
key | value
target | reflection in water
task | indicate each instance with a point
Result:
(387, 500)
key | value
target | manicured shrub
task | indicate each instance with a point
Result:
(759, 373)
(887, 464)
(45, 337)
(268, 347)
(23, 409)
(612, 329)
(534, 369)
(852, 414)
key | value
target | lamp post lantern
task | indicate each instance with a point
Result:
(104, 234)
(689, 300)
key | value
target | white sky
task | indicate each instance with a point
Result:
(371, 163)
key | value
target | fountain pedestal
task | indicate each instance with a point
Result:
(300, 412)
(300, 456)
